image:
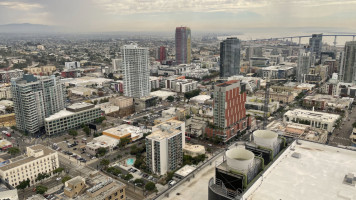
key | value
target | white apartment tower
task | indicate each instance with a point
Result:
(164, 147)
(35, 99)
(135, 69)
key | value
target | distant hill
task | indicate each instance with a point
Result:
(25, 28)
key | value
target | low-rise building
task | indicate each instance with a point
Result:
(42, 71)
(283, 97)
(72, 117)
(319, 120)
(145, 102)
(193, 150)
(162, 94)
(122, 101)
(5, 144)
(38, 159)
(8, 120)
(164, 147)
(108, 189)
(255, 106)
(5, 93)
(277, 72)
(124, 131)
(6, 76)
(102, 141)
(82, 91)
(6, 194)
(74, 186)
(324, 102)
(181, 85)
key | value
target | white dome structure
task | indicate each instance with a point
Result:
(265, 138)
(239, 159)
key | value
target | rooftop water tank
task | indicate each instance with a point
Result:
(239, 159)
(265, 138)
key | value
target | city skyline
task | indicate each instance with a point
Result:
(208, 15)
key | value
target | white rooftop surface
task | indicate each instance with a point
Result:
(197, 187)
(201, 98)
(60, 114)
(278, 67)
(162, 93)
(184, 171)
(318, 174)
(312, 115)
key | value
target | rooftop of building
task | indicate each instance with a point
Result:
(278, 67)
(307, 170)
(123, 130)
(227, 83)
(165, 130)
(76, 180)
(104, 182)
(184, 171)
(74, 108)
(21, 160)
(194, 148)
(313, 115)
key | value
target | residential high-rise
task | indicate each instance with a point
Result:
(316, 43)
(229, 110)
(164, 147)
(161, 54)
(348, 63)
(183, 45)
(35, 99)
(229, 57)
(304, 63)
(135, 69)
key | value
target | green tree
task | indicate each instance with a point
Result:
(105, 163)
(150, 186)
(58, 170)
(73, 133)
(170, 98)
(111, 76)
(42, 176)
(128, 177)
(13, 151)
(102, 151)
(113, 170)
(65, 179)
(124, 141)
(23, 184)
(41, 189)
(86, 130)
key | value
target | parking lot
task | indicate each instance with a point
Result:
(75, 148)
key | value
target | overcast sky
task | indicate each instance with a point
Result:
(165, 15)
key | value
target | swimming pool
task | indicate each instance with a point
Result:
(130, 161)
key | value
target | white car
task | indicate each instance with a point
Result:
(59, 178)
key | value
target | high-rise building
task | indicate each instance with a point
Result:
(183, 45)
(229, 57)
(229, 110)
(164, 147)
(304, 64)
(35, 99)
(348, 63)
(316, 43)
(135, 69)
(161, 54)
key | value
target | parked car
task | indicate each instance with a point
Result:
(59, 178)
